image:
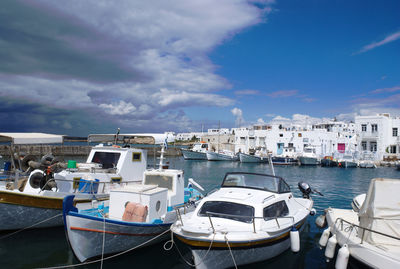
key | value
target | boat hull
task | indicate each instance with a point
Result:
(328, 163)
(284, 161)
(370, 255)
(86, 235)
(246, 158)
(193, 155)
(347, 164)
(308, 160)
(214, 156)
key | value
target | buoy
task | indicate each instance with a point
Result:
(330, 248)
(324, 237)
(342, 258)
(320, 221)
(313, 212)
(294, 240)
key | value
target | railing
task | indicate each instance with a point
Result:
(210, 214)
(363, 229)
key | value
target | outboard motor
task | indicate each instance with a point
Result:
(305, 189)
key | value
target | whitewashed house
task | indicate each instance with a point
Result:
(379, 135)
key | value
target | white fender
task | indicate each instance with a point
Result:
(330, 248)
(342, 258)
(324, 237)
(294, 240)
(320, 221)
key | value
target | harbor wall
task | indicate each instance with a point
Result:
(72, 150)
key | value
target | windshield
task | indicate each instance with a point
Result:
(227, 210)
(106, 159)
(256, 181)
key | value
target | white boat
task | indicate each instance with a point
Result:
(367, 160)
(38, 203)
(249, 219)
(248, 158)
(222, 156)
(347, 161)
(372, 234)
(308, 157)
(138, 215)
(197, 152)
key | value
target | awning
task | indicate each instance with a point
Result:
(31, 138)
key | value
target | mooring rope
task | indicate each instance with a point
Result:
(104, 239)
(33, 225)
(107, 258)
(172, 242)
(229, 247)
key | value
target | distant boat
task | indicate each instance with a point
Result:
(328, 161)
(222, 156)
(367, 160)
(308, 157)
(347, 161)
(277, 160)
(197, 152)
(248, 158)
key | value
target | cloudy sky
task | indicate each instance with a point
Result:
(78, 67)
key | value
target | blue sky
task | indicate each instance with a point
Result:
(93, 66)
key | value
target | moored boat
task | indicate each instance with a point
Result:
(138, 215)
(328, 161)
(222, 156)
(248, 158)
(308, 156)
(370, 233)
(251, 218)
(277, 160)
(197, 152)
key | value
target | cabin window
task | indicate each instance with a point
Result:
(136, 157)
(395, 131)
(363, 127)
(204, 146)
(276, 210)
(227, 210)
(106, 159)
(161, 181)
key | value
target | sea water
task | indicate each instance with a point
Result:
(49, 247)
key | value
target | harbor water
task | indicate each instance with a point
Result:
(42, 248)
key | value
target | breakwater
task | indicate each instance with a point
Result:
(74, 150)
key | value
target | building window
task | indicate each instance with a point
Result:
(393, 149)
(290, 145)
(373, 146)
(363, 127)
(374, 127)
(395, 131)
(364, 145)
(299, 134)
(280, 135)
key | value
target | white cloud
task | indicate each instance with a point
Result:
(121, 108)
(165, 41)
(298, 119)
(237, 112)
(388, 39)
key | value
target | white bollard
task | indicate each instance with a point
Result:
(342, 258)
(294, 240)
(330, 248)
(324, 237)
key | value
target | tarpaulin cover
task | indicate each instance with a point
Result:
(381, 212)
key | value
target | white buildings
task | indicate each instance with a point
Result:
(379, 135)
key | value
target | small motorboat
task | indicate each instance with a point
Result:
(309, 156)
(137, 215)
(283, 160)
(197, 152)
(370, 232)
(252, 217)
(347, 161)
(328, 161)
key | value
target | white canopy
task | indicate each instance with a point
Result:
(30, 138)
(130, 138)
(381, 211)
